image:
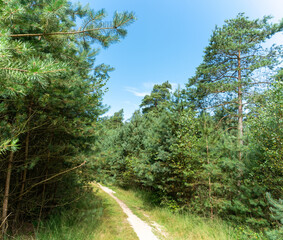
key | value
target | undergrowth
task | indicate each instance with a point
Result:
(94, 217)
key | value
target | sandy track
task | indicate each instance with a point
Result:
(142, 229)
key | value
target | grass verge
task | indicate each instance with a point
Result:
(182, 226)
(95, 217)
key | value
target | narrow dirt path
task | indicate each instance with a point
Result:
(142, 229)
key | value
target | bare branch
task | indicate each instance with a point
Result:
(54, 176)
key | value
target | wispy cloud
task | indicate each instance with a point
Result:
(136, 92)
(128, 103)
(148, 86)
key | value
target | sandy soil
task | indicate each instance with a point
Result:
(142, 229)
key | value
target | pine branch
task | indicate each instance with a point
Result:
(219, 105)
(14, 69)
(59, 33)
(260, 83)
(53, 71)
(35, 73)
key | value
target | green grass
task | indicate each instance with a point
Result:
(98, 217)
(114, 225)
(95, 217)
(182, 226)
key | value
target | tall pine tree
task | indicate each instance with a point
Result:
(228, 71)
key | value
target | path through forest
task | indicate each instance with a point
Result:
(142, 229)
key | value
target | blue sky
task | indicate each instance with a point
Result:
(166, 42)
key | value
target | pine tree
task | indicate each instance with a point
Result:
(159, 95)
(277, 210)
(228, 71)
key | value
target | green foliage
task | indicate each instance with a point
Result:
(158, 97)
(277, 210)
(51, 93)
(231, 58)
(265, 141)
(188, 161)
(187, 154)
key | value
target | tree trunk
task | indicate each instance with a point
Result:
(6, 196)
(209, 178)
(240, 108)
(43, 191)
(25, 170)
(240, 118)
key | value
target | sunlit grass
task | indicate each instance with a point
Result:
(114, 224)
(182, 226)
(98, 217)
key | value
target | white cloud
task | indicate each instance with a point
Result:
(136, 92)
